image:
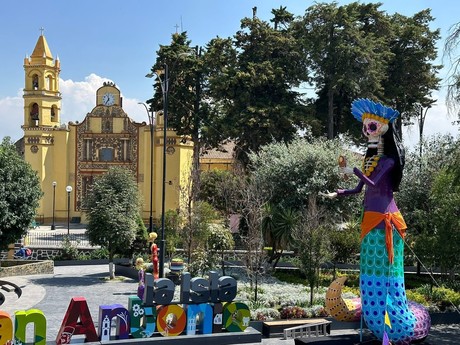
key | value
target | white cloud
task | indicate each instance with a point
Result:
(11, 116)
(78, 99)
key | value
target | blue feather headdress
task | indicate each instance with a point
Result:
(365, 108)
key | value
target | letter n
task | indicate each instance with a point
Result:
(22, 318)
(77, 320)
(203, 312)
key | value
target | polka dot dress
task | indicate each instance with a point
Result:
(382, 290)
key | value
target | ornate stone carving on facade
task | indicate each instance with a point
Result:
(97, 152)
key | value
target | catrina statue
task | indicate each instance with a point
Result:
(383, 305)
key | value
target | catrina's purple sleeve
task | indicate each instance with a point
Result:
(363, 179)
(355, 190)
(387, 165)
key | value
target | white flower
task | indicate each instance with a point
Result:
(137, 310)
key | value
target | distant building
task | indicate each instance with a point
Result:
(72, 154)
(218, 159)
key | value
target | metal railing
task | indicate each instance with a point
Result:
(51, 239)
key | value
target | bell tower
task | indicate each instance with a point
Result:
(42, 99)
(45, 140)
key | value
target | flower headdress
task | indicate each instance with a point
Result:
(365, 108)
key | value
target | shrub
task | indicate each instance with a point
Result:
(265, 314)
(415, 296)
(441, 298)
(100, 253)
(68, 250)
(293, 312)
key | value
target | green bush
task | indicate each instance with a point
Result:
(69, 251)
(441, 297)
(444, 297)
(100, 253)
(415, 296)
(291, 277)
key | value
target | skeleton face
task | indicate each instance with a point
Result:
(373, 129)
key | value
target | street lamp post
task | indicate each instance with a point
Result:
(53, 226)
(165, 89)
(152, 124)
(163, 196)
(68, 190)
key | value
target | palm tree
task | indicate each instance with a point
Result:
(277, 226)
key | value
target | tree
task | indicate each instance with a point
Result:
(182, 92)
(411, 75)
(219, 240)
(357, 50)
(453, 80)
(19, 194)
(303, 168)
(282, 17)
(172, 232)
(446, 218)
(251, 199)
(413, 197)
(139, 245)
(195, 219)
(343, 56)
(312, 242)
(256, 102)
(295, 173)
(345, 242)
(217, 187)
(113, 207)
(277, 226)
(195, 229)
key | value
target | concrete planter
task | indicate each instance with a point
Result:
(11, 268)
(126, 270)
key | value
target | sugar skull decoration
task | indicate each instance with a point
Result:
(375, 118)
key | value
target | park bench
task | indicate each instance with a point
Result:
(295, 326)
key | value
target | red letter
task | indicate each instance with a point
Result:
(78, 310)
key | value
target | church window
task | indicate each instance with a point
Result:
(35, 82)
(87, 149)
(53, 113)
(34, 112)
(125, 156)
(106, 154)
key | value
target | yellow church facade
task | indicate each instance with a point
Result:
(68, 156)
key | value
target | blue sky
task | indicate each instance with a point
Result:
(117, 40)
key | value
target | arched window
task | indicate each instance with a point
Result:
(35, 82)
(34, 111)
(53, 113)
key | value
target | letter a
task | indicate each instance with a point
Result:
(78, 310)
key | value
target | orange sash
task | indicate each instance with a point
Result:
(371, 219)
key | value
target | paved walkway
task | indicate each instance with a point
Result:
(51, 293)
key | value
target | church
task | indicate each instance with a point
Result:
(68, 156)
